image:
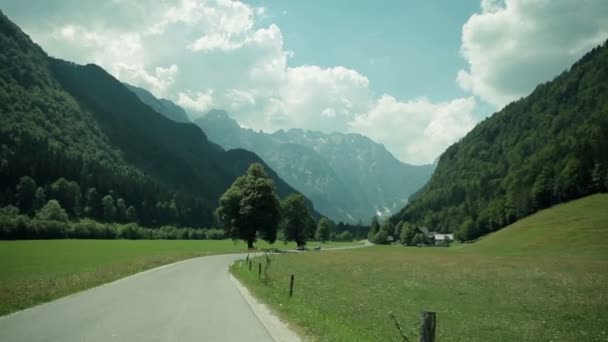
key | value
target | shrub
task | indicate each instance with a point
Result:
(49, 229)
(381, 237)
(344, 236)
(53, 211)
(215, 234)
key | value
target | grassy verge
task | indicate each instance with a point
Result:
(36, 271)
(513, 286)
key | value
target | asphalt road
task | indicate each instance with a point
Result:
(193, 300)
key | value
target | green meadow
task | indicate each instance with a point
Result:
(543, 278)
(36, 271)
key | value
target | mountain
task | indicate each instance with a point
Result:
(347, 176)
(547, 148)
(78, 132)
(165, 107)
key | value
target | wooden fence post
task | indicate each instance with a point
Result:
(260, 270)
(427, 326)
(249, 265)
(291, 286)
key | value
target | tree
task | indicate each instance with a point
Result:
(597, 177)
(373, 230)
(68, 194)
(109, 209)
(296, 223)
(322, 233)
(26, 193)
(344, 236)
(407, 233)
(52, 210)
(467, 230)
(388, 227)
(121, 210)
(40, 198)
(398, 228)
(131, 214)
(93, 204)
(250, 206)
(381, 237)
(542, 190)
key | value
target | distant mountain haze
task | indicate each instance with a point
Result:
(347, 176)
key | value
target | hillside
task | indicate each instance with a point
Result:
(547, 148)
(80, 134)
(347, 176)
(576, 228)
(163, 106)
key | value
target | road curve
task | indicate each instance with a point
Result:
(192, 300)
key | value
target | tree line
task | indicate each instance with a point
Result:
(249, 210)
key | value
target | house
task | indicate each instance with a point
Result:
(437, 237)
(443, 238)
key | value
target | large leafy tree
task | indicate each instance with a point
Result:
(250, 207)
(297, 224)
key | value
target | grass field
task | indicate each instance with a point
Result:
(37, 271)
(545, 278)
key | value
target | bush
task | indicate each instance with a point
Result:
(381, 237)
(52, 211)
(49, 229)
(9, 211)
(345, 236)
(15, 226)
(215, 234)
(129, 231)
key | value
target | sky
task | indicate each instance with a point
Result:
(414, 75)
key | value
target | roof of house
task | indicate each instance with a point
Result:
(424, 230)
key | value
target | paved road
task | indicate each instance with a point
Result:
(193, 300)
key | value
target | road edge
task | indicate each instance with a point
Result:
(278, 330)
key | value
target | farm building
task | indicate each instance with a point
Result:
(443, 238)
(437, 237)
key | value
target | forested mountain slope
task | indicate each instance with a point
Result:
(348, 176)
(163, 106)
(547, 148)
(80, 134)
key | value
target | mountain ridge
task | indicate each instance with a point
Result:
(347, 175)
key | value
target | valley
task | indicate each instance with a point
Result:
(170, 171)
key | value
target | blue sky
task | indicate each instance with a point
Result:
(414, 75)
(405, 48)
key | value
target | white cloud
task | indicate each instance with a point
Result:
(416, 131)
(513, 45)
(157, 82)
(196, 101)
(323, 99)
(214, 54)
